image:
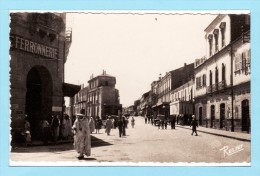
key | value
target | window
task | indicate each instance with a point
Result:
(204, 80)
(210, 44)
(247, 60)
(216, 75)
(222, 27)
(223, 72)
(216, 33)
(210, 77)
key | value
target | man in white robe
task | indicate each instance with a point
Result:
(82, 140)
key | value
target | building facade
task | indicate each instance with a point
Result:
(38, 50)
(182, 101)
(223, 77)
(100, 98)
(162, 88)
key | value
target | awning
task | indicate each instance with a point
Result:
(69, 90)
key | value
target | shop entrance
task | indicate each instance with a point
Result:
(245, 116)
(38, 98)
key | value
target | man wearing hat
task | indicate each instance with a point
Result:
(82, 140)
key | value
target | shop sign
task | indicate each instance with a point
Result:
(33, 47)
(56, 108)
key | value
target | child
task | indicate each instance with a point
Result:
(27, 138)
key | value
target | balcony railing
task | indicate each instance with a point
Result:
(215, 87)
(209, 89)
(222, 85)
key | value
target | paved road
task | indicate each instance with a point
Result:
(144, 143)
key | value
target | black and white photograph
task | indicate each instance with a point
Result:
(130, 88)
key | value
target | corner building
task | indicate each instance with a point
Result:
(222, 92)
(38, 51)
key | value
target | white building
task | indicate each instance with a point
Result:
(223, 77)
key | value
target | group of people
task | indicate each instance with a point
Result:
(163, 123)
(84, 126)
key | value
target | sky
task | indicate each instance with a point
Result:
(133, 47)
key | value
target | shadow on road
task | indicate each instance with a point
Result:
(59, 147)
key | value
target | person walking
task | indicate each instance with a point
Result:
(82, 140)
(194, 125)
(165, 123)
(109, 125)
(124, 126)
(98, 124)
(120, 126)
(173, 122)
(91, 125)
(133, 122)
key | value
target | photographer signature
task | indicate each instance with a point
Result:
(231, 151)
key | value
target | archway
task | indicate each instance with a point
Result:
(38, 98)
(245, 115)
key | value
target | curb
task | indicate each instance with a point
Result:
(222, 135)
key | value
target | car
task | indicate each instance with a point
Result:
(158, 119)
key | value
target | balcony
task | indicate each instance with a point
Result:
(215, 87)
(222, 85)
(209, 89)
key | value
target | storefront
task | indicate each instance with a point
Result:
(38, 54)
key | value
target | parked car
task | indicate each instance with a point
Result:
(158, 119)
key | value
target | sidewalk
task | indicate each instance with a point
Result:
(228, 134)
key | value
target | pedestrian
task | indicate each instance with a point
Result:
(162, 124)
(194, 125)
(165, 123)
(173, 122)
(91, 125)
(133, 122)
(45, 131)
(120, 126)
(145, 120)
(82, 140)
(124, 126)
(66, 127)
(109, 125)
(55, 123)
(98, 124)
(177, 121)
(28, 138)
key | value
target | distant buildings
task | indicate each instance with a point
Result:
(99, 98)
(216, 88)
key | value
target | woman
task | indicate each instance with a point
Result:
(109, 125)
(133, 122)
(98, 124)
(91, 125)
(82, 141)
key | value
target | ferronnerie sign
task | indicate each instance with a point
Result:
(33, 47)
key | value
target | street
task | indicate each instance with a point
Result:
(145, 143)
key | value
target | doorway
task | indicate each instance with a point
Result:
(200, 116)
(38, 98)
(222, 115)
(212, 116)
(245, 116)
